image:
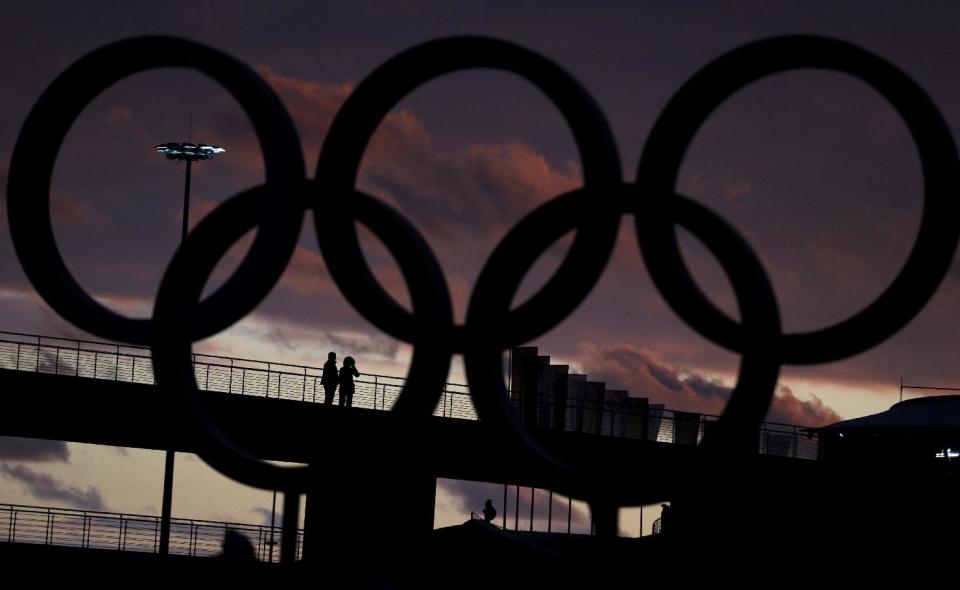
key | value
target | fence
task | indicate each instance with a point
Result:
(131, 532)
(98, 360)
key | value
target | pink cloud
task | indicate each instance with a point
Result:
(477, 188)
(644, 375)
(75, 212)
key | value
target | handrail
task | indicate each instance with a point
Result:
(101, 360)
(129, 532)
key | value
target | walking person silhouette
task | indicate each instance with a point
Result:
(347, 373)
(489, 512)
(329, 378)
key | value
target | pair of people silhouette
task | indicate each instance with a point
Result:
(332, 378)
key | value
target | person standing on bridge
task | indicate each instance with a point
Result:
(347, 373)
(329, 379)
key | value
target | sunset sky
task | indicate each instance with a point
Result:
(813, 168)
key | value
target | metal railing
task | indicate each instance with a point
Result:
(618, 418)
(131, 532)
(480, 517)
(132, 364)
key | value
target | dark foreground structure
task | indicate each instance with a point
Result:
(737, 517)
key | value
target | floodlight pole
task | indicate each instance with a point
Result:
(186, 204)
(185, 152)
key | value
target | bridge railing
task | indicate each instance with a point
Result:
(131, 364)
(98, 360)
(621, 419)
(131, 532)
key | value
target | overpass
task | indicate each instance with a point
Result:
(25, 357)
(100, 393)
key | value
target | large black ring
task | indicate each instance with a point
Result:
(182, 285)
(503, 273)
(936, 242)
(31, 170)
(373, 99)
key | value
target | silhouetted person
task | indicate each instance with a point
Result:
(347, 373)
(329, 378)
(237, 548)
(489, 512)
(237, 565)
(666, 519)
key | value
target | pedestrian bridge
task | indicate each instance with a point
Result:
(610, 417)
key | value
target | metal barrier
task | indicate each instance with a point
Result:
(131, 532)
(130, 364)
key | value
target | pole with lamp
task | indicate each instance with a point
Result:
(189, 153)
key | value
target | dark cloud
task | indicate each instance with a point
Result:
(642, 374)
(277, 337)
(787, 409)
(358, 345)
(47, 488)
(33, 449)
(265, 515)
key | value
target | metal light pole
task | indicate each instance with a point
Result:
(273, 524)
(189, 153)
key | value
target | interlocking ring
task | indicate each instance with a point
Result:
(936, 242)
(373, 99)
(31, 171)
(593, 212)
(180, 291)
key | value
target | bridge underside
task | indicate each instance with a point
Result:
(725, 507)
(57, 407)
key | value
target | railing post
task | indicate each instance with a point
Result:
(243, 380)
(550, 512)
(48, 534)
(156, 534)
(304, 398)
(56, 364)
(230, 383)
(532, 492)
(504, 506)
(116, 365)
(516, 511)
(120, 533)
(269, 371)
(12, 529)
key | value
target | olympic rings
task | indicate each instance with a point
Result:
(593, 212)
